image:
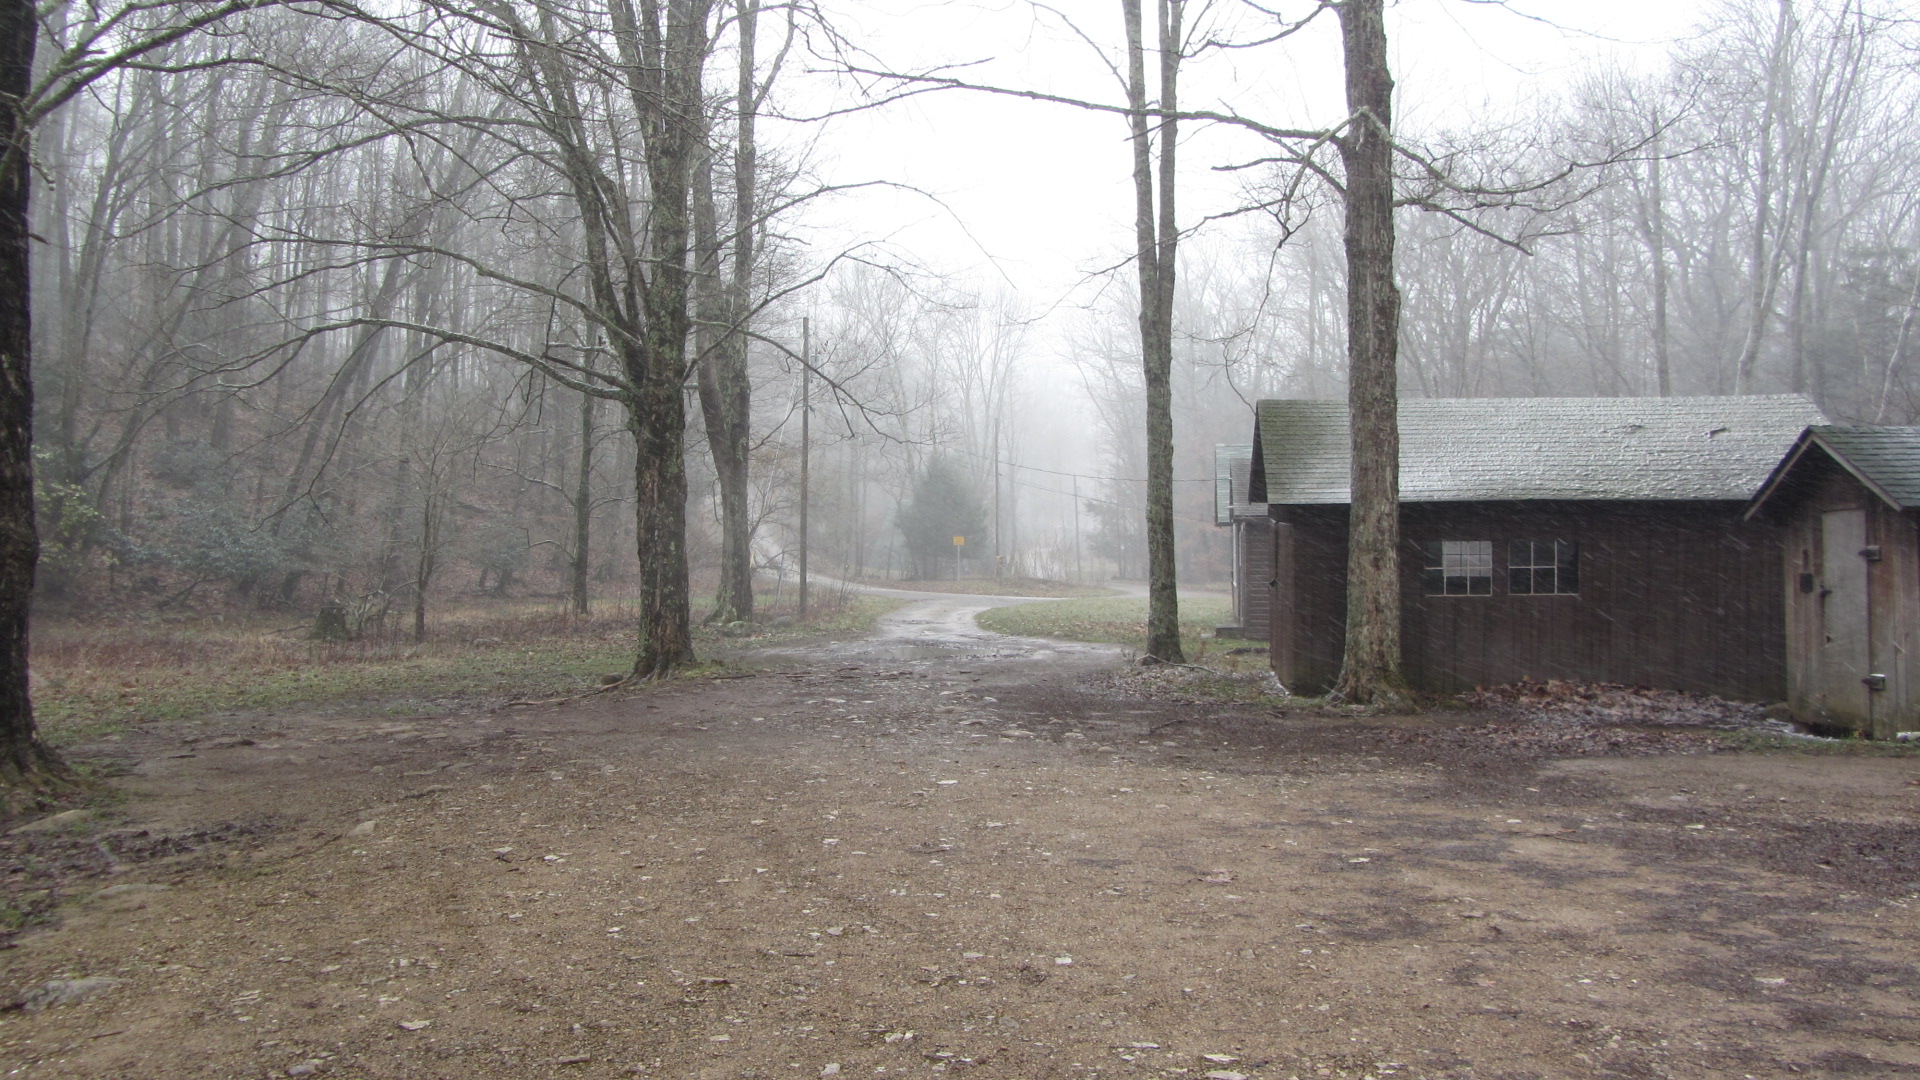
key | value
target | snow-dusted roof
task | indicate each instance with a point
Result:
(1483, 449)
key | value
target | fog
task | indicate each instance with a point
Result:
(380, 310)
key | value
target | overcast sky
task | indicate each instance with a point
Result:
(1035, 198)
(1037, 195)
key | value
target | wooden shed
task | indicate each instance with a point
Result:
(1594, 539)
(1252, 538)
(1848, 498)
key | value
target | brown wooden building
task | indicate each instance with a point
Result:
(1848, 498)
(1598, 539)
(1252, 537)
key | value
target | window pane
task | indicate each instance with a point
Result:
(1543, 567)
(1456, 567)
(1568, 560)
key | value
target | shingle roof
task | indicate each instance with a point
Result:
(1232, 465)
(1475, 449)
(1885, 459)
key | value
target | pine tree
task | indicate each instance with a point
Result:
(945, 504)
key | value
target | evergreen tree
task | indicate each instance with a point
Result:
(945, 504)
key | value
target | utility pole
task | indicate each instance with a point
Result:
(806, 447)
(998, 555)
(1013, 516)
(1079, 573)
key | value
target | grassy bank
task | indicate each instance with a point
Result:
(1120, 620)
(93, 677)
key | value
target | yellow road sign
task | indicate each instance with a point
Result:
(959, 541)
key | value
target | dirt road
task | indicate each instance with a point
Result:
(939, 851)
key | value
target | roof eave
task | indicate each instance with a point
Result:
(1810, 438)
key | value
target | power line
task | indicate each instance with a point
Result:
(1109, 502)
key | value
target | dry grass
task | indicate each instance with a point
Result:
(1121, 620)
(96, 676)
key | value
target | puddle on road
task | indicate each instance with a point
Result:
(916, 652)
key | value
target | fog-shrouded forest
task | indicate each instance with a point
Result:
(699, 538)
(380, 308)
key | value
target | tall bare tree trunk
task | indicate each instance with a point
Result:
(656, 369)
(1828, 111)
(1657, 251)
(1156, 238)
(28, 768)
(1764, 268)
(725, 390)
(657, 420)
(1370, 672)
(426, 562)
(583, 508)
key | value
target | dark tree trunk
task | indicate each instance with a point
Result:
(1370, 673)
(582, 509)
(656, 417)
(425, 565)
(27, 767)
(1156, 236)
(734, 600)
(1657, 245)
(657, 369)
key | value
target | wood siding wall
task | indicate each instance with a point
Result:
(1816, 487)
(1682, 596)
(1255, 577)
(1309, 615)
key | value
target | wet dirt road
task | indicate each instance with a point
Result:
(941, 852)
(940, 627)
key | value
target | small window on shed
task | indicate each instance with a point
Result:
(1457, 567)
(1543, 567)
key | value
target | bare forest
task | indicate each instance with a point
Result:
(687, 538)
(381, 310)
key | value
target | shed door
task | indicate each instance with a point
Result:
(1846, 656)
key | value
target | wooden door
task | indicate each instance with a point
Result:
(1846, 646)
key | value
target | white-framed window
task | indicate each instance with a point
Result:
(1543, 567)
(1457, 567)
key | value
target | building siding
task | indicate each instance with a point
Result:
(1681, 596)
(1255, 599)
(1818, 486)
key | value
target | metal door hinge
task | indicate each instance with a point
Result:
(1871, 553)
(1875, 682)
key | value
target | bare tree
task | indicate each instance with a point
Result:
(85, 52)
(1156, 239)
(726, 308)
